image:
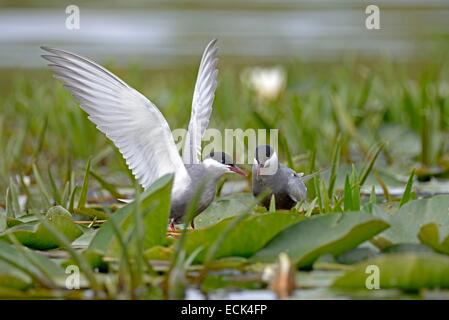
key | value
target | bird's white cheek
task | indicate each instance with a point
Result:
(271, 166)
(268, 169)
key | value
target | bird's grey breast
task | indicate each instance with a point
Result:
(287, 187)
(258, 184)
(275, 183)
(200, 182)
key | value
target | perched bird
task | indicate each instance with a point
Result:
(287, 186)
(204, 178)
(141, 133)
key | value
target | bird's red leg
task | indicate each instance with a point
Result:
(192, 224)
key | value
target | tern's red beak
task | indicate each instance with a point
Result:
(258, 170)
(237, 170)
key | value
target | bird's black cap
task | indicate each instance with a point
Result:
(263, 153)
(221, 157)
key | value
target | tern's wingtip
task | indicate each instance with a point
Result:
(51, 50)
(213, 42)
(46, 57)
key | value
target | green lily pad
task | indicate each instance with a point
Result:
(34, 234)
(58, 211)
(333, 234)
(248, 236)
(430, 236)
(230, 282)
(11, 222)
(85, 239)
(356, 255)
(223, 208)
(406, 223)
(404, 271)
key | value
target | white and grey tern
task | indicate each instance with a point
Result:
(287, 186)
(141, 133)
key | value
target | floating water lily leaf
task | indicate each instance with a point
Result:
(404, 271)
(34, 234)
(332, 234)
(85, 239)
(11, 222)
(407, 222)
(223, 208)
(356, 255)
(229, 282)
(316, 278)
(155, 210)
(58, 211)
(248, 236)
(430, 236)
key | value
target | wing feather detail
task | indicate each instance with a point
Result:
(131, 121)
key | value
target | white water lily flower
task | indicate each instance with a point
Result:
(268, 83)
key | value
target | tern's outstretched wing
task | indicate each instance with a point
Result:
(125, 116)
(203, 98)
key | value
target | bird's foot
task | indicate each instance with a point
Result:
(192, 224)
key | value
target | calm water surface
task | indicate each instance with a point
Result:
(161, 35)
